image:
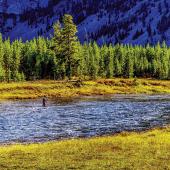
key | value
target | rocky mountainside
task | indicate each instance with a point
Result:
(123, 21)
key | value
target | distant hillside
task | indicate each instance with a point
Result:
(123, 21)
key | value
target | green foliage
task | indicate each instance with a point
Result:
(65, 44)
(7, 59)
(63, 56)
(2, 71)
(69, 44)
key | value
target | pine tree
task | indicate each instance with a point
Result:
(164, 62)
(102, 67)
(42, 58)
(109, 62)
(58, 49)
(57, 38)
(69, 44)
(85, 61)
(28, 62)
(158, 61)
(2, 71)
(119, 60)
(150, 56)
(129, 64)
(96, 55)
(92, 71)
(16, 58)
(7, 60)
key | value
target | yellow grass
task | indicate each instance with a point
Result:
(36, 89)
(126, 151)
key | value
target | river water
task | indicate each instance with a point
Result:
(28, 121)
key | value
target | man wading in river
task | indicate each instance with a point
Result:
(44, 101)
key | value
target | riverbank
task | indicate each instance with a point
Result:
(146, 150)
(37, 89)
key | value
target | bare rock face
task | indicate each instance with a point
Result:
(105, 21)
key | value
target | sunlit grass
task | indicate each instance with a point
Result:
(131, 151)
(144, 151)
(31, 90)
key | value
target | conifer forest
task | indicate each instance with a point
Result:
(62, 56)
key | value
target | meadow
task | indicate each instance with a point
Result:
(51, 89)
(137, 151)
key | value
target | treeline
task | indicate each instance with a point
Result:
(62, 56)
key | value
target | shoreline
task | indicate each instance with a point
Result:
(122, 133)
(65, 89)
(145, 150)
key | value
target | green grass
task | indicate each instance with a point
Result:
(126, 151)
(36, 89)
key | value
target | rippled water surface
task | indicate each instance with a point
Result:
(28, 121)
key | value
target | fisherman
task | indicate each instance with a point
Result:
(44, 101)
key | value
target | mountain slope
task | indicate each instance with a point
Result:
(123, 21)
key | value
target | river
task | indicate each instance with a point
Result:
(27, 121)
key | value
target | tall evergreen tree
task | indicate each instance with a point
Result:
(2, 71)
(16, 59)
(57, 46)
(69, 44)
(129, 64)
(7, 59)
(164, 62)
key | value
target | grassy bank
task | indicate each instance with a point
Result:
(148, 151)
(31, 90)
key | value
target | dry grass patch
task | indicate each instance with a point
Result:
(36, 89)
